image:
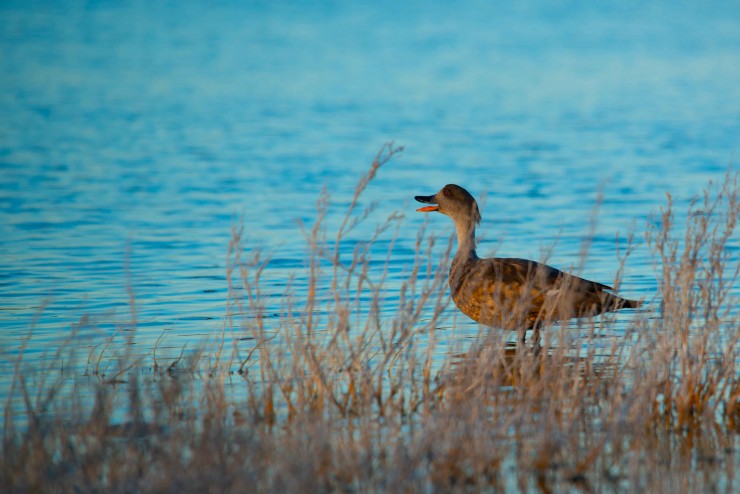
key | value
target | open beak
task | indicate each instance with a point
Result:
(427, 200)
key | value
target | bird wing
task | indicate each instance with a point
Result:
(539, 275)
(512, 292)
(539, 283)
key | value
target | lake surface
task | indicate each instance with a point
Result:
(133, 138)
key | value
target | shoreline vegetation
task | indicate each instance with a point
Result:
(335, 388)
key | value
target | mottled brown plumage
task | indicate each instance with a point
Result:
(510, 293)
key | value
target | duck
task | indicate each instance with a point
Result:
(512, 293)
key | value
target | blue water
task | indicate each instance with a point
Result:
(134, 136)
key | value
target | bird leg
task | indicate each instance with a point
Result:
(536, 338)
(536, 335)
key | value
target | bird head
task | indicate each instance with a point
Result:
(454, 201)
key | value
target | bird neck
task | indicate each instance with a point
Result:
(465, 239)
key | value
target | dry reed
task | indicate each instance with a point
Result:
(340, 391)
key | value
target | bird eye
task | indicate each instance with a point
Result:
(446, 192)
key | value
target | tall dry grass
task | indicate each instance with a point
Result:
(341, 391)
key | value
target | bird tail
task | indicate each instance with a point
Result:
(614, 302)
